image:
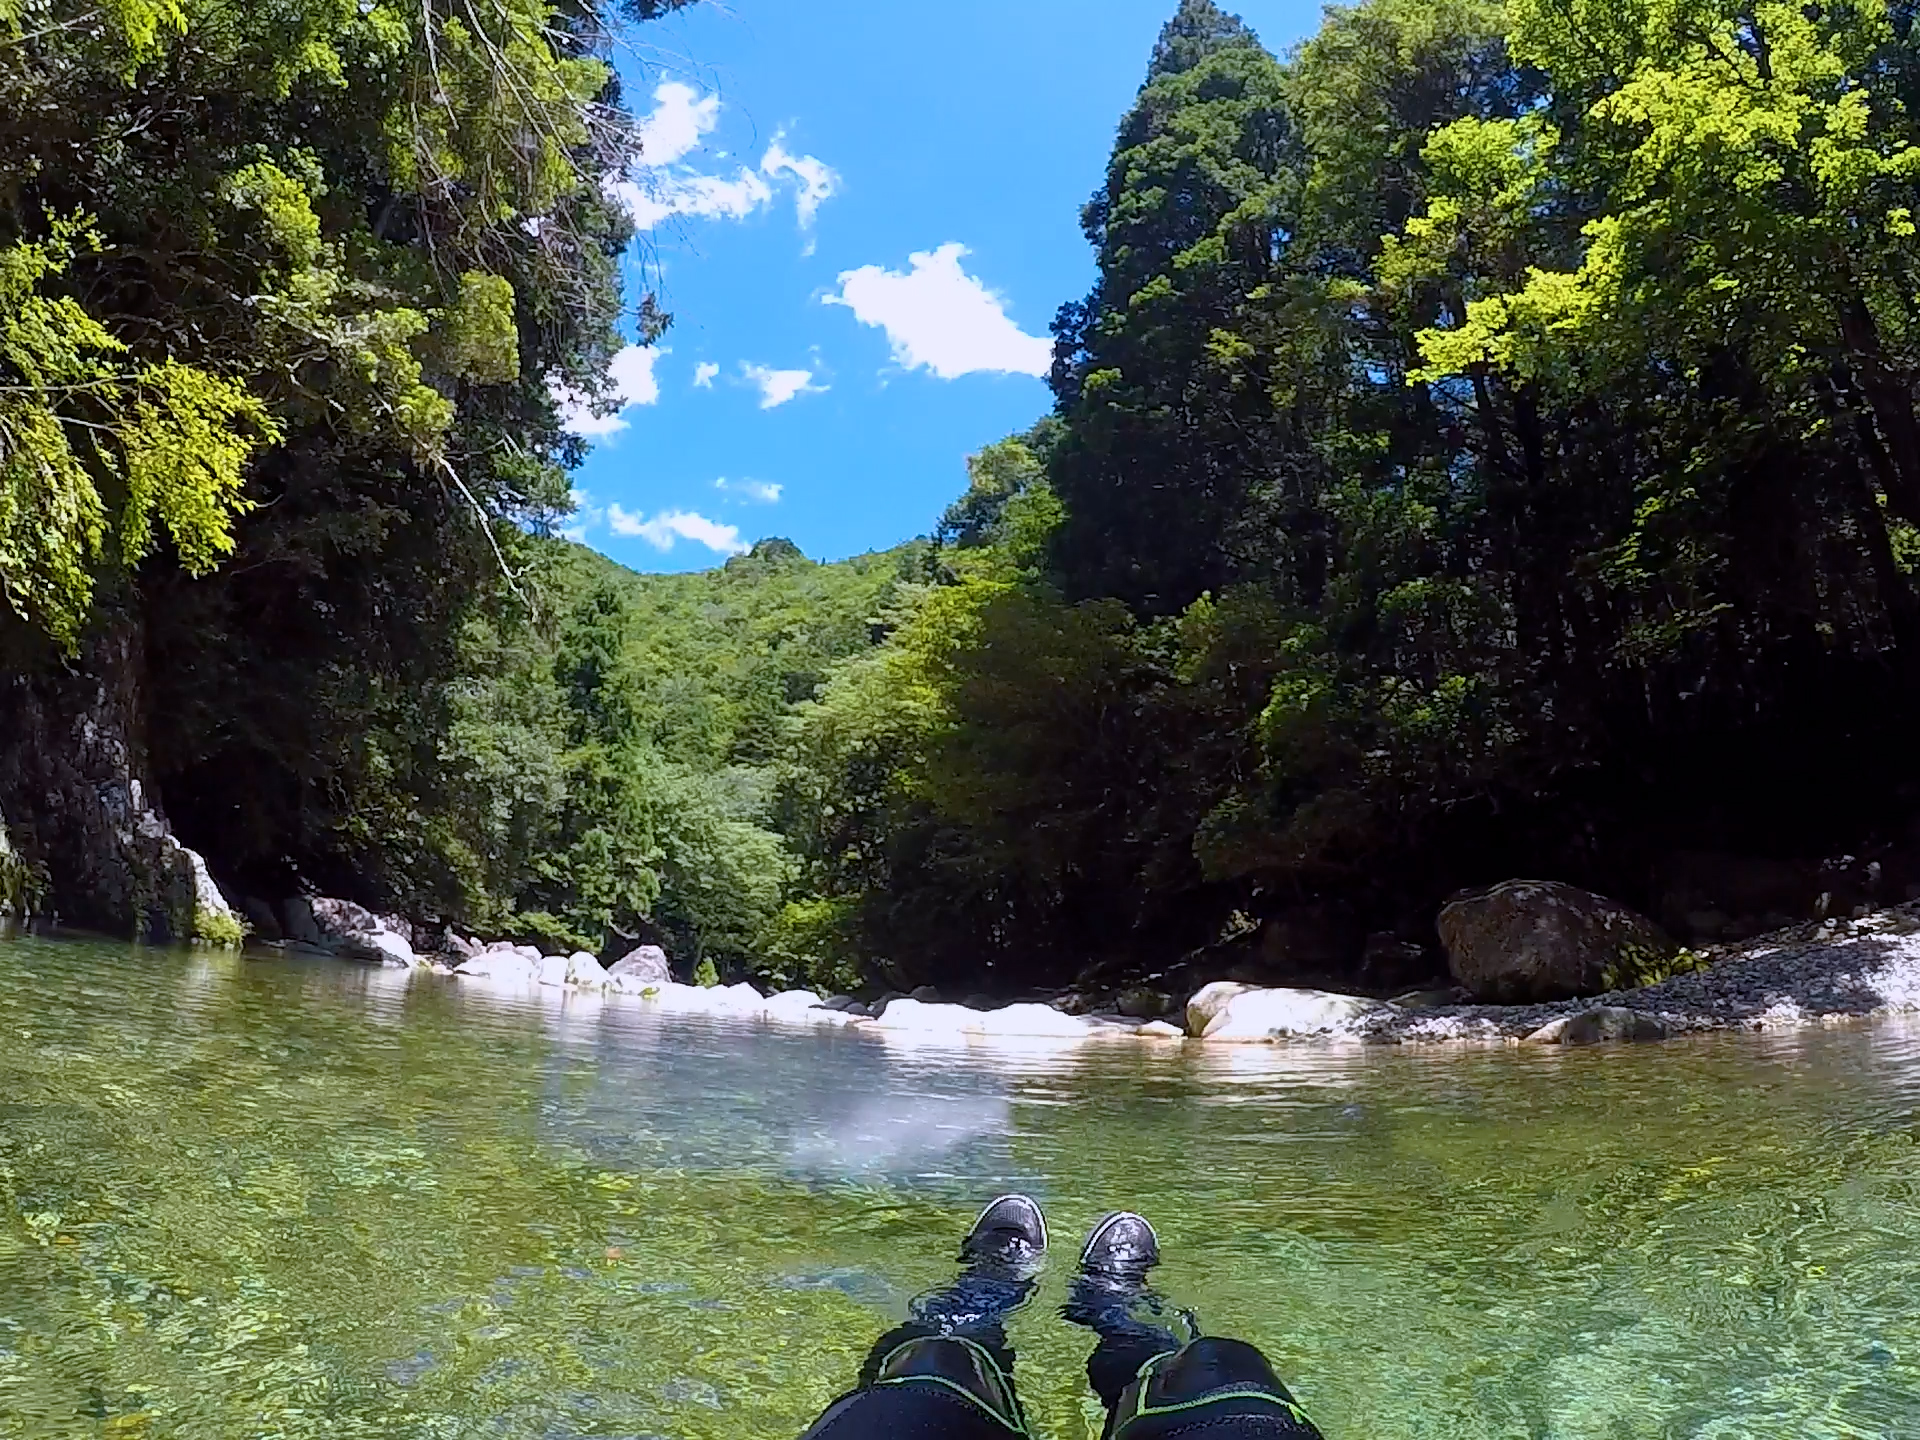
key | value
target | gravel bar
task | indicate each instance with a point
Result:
(1832, 970)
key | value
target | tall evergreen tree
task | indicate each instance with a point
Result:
(1170, 417)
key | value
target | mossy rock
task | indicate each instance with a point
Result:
(1526, 941)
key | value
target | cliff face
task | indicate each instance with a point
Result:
(80, 811)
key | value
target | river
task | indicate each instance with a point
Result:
(278, 1197)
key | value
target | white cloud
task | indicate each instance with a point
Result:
(703, 374)
(633, 384)
(665, 183)
(777, 387)
(817, 180)
(765, 492)
(937, 315)
(585, 516)
(682, 117)
(671, 525)
(657, 195)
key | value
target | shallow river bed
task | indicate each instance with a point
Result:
(267, 1197)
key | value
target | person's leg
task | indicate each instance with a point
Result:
(1110, 1297)
(1152, 1386)
(947, 1373)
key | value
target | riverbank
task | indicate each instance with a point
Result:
(1811, 974)
(1832, 971)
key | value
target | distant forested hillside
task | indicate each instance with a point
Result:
(617, 765)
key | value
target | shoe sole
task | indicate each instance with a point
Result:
(1107, 1221)
(1027, 1200)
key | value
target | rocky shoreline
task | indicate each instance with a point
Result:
(1811, 974)
(1815, 973)
(1838, 970)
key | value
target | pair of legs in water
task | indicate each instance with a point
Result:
(947, 1374)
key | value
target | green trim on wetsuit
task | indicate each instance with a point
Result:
(1003, 1405)
(1125, 1414)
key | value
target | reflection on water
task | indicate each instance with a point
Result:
(259, 1197)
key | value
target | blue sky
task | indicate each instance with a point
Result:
(863, 215)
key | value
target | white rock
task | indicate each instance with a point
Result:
(553, 970)
(504, 966)
(672, 995)
(643, 962)
(586, 971)
(1208, 1002)
(208, 903)
(395, 951)
(730, 1000)
(1025, 1020)
(1260, 1015)
(641, 985)
(920, 1017)
(836, 1019)
(791, 1005)
(923, 1018)
(1161, 1030)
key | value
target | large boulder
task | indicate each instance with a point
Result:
(503, 964)
(297, 922)
(643, 965)
(740, 1000)
(586, 972)
(356, 933)
(1532, 940)
(262, 918)
(1208, 1001)
(794, 1006)
(1028, 1021)
(1260, 1016)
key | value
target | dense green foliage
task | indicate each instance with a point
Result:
(1485, 450)
(1489, 447)
(286, 292)
(618, 767)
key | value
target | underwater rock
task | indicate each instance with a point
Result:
(1597, 1026)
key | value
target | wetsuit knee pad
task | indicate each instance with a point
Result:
(931, 1387)
(1213, 1387)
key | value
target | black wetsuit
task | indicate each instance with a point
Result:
(921, 1384)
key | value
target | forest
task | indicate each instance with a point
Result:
(1489, 448)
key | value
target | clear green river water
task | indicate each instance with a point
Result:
(283, 1198)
